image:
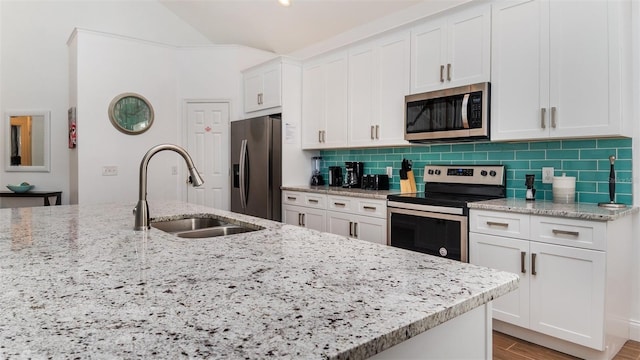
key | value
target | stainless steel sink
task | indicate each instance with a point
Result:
(200, 227)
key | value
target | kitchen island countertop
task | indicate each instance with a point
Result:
(77, 281)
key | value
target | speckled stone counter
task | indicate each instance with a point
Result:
(78, 282)
(336, 190)
(586, 211)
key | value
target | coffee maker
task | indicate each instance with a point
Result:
(335, 176)
(531, 191)
(353, 178)
(316, 176)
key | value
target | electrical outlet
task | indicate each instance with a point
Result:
(389, 172)
(109, 170)
(547, 175)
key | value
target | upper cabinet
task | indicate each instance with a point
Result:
(324, 102)
(451, 51)
(378, 82)
(557, 69)
(263, 86)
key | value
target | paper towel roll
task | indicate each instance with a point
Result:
(564, 189)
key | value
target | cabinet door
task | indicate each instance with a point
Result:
(507, 255)
(339, 223)
(584, 70)
(292, 215)
(371, 229)
(252, 89)
(393, 72)
(271, 87)
(468, 47)
(315, 219)
(428, 51)
(520, 70)
(363, 95)
(335, 107)
(312, 106)
(567, 293)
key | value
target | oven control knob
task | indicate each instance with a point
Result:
(492, 173)
(438, 172)
(483, 172)
(443, 251)
(430, 171)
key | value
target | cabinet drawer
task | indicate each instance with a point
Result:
(311, 200)
(570, 232)
(375, 208)
(499, 223)
(342, 204)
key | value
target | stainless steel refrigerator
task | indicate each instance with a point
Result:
(256, 158)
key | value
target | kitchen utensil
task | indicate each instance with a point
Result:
(531, 191)
(316, 176)
(612, 204)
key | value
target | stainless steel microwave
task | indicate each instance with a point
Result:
(460, 113)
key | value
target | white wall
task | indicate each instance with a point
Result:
(34, 62)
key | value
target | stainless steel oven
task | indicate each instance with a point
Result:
(435, 222)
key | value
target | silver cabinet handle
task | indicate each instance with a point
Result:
(303, 220)
(299, 219)
(553, 117)
(243, 176)
(565, 232)
(377, 132)
(373, 208)
(448, 72)
(533, 264)
(372, 137)
(319, 136)
(292, 198)
(339, 204)
(523, 255)
(313, 201)
(441, 73)
(324, 133)
(493, 223)
(543, 118)
(350, 228)
(355, 230)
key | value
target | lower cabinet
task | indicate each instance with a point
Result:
(360, 218)
(568, 274)
(306, 217)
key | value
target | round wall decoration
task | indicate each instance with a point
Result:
(131, 113)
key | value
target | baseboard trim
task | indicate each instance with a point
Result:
(634, 329)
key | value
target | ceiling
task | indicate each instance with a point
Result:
(267, 25)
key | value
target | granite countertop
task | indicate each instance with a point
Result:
(586, 211)
(340, 191)
(78, 282)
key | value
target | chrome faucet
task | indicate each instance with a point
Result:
(141, 211)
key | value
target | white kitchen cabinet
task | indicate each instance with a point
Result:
(324, 102)
(263, 86)
(567, 269)
(304, 209)
(378, 82)
(359, 218)
(452, 50)
(557, 69)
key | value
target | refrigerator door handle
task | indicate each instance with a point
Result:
(243, 175)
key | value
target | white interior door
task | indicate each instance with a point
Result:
(208, 144)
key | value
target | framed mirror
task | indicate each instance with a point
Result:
(27, 141)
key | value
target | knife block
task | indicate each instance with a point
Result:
(408, 185)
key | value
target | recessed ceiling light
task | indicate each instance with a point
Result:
(285, 2)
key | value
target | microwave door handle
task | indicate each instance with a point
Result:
(465, 111)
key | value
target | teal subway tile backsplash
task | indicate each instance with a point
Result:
(587, 160)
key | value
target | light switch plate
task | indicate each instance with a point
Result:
(547, 175)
